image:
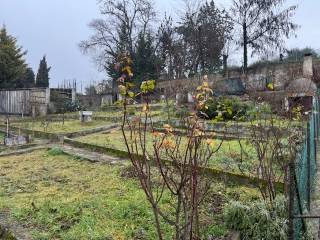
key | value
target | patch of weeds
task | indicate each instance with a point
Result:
(77, 158)
(140, 234)
(215, 231)
(216, 203)
(55, 152)
(128, 172)
(242, 194)
(53, 217)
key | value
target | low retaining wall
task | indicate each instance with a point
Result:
(95, 148)
(90, 131)
(215, 173)
(39, 134)
(59, 137)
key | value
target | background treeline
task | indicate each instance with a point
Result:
(14, 71)
(199, 39)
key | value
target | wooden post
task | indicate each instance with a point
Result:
(7, 126)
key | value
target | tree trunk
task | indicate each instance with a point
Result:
(157, 222)
(245, 47)
(178, 210)
(113, 91)
(201, 50)
(225, 65)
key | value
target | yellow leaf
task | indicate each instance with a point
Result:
(168, 128)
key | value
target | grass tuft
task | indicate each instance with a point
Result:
(56, 151)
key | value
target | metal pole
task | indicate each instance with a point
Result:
(299, 201)
(315, 138)
(291, 201)
(308, 167)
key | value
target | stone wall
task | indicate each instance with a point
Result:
(257, 78)
(92, 102)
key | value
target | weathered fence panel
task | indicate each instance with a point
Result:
(23, 101)
(15, 102)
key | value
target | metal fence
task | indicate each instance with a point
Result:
(303, 175)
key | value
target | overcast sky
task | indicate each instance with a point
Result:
(55, 27)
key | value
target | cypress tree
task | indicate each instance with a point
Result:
(42, 79)
(12, 63)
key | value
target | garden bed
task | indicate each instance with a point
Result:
(59, 197)
(227, 158)
(69, 126)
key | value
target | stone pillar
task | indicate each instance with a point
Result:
(308, 66)
(74, 94)
(47, 96)
(34, 112)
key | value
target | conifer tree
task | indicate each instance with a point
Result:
(12, 63)
(42, 79)
(146, 63)
(29, 78)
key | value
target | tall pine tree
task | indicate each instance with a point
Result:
(146, 63)
(12, 63)
(29, 78)
(42, 79)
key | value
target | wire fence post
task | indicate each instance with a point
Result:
(291, 200)
(308, 167)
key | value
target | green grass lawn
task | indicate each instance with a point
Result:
(59, 127)
(227, 158)
(60, 197)
(118, 113)
(2, 136)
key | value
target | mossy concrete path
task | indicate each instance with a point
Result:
(91, 156)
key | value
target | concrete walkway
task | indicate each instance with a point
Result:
(91, 156)
(20, 151)
(69, 150)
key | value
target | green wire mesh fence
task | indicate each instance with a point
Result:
(305, 172)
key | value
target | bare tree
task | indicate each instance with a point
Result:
(117, 32)
(204, 31)
(167, 46)
(263, 24)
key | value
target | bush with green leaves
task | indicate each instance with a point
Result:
(258, 220)
(223, 109)
(67, 105)
(56, 151)
(260, 111)
(71, 106)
